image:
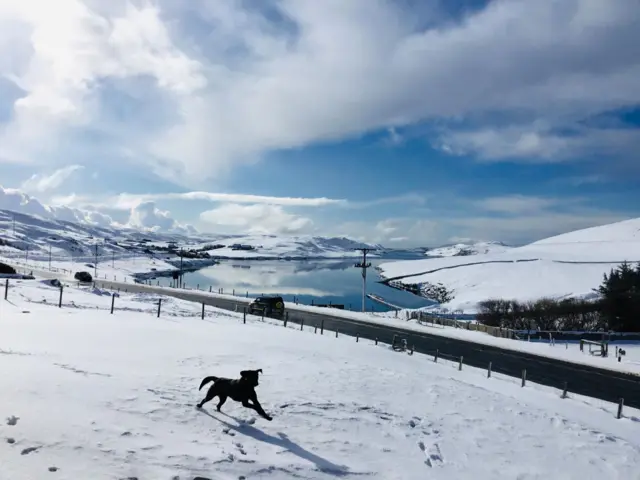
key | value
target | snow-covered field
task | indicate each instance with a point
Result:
(100, 396)
(568, 265)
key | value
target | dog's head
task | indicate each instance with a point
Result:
(251, 376)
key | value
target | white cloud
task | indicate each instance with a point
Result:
(256, 219)
(520, 204)
(535, 145)
(39, 183)
(144, 216)
(192, 103)
(127, 200)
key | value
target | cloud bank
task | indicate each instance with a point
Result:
(192, 89)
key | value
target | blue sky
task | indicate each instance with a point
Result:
(401, 122)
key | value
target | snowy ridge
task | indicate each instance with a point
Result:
(564, 266)
(467, 249)
(294, 247)
(114, 421)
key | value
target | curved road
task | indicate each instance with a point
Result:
(601, 383)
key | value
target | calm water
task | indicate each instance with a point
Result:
(323, 281)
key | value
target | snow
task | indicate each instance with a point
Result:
(123, 387)
(569, 265)
(465, 249)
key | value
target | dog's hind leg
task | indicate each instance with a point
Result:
(223, 398)
(211, 394)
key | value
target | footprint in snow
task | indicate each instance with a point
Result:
(29, 450)
(12, 420)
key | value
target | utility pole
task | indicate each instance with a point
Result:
(95, 264)
(181, 257)
(364, 265)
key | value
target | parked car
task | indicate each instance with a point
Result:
(271, 306)
(84, 277)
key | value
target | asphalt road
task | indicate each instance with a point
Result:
(601, 383)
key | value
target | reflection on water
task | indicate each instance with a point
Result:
(322, 281)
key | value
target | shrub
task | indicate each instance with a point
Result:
(620, 292)
(436, 292)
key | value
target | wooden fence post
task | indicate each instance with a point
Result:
(244, 315)
(60, 300)
(620, 405)
(460, 364)
(286, 319)
(6, 289)
(302, 324)
(566, 388)
(322, 328)
(202, 310)
(357, 337)
(524, 377)
(159, 306)
(376, 340)
(336, 333)
(489, 371)
(435, 359)
(113, 301)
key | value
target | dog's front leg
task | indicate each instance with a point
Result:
(257, 407)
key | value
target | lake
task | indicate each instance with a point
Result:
(317, 281)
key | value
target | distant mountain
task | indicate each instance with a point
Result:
(34, 236)
(465, 249)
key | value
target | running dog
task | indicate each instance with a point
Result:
(240, 389)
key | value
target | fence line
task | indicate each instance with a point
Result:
(398, 344)
(436, 320)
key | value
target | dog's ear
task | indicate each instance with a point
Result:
(259, 370)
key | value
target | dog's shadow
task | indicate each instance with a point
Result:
(284, 442)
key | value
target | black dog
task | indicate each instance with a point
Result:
(240, 390)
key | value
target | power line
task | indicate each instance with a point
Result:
(364, 265)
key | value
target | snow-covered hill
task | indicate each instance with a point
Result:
(568, 265)
(124, 387)
(293, 247)
(34, 237)
(466, 249)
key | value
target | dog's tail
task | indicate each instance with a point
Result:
(207, 380)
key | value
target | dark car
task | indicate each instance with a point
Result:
(271, 306)
(84, 277)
